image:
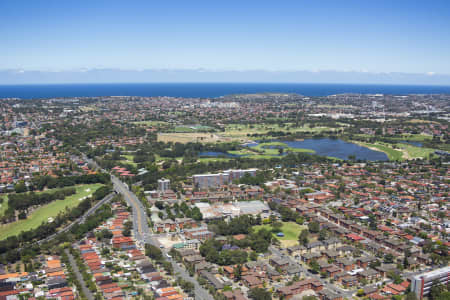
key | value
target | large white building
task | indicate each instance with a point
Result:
(206, 181)
(163, 185)
(421, 284)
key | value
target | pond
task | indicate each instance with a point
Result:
(417, 144)
(337, 148)
(216, 154)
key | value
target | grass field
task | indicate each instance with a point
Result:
(151, 123)
(211, 159)
(241, 130)
(191, 137)
(412, 152)
(3, 205)
(267, 150)
(290, 230)
(44, 212)
(128, 160)
(390, 152)
(193, 128)
(403, 151)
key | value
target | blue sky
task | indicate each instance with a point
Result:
(366, 36)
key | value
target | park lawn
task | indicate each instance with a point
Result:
(184, 129)
(150, 123)
(415, 137)
(291, 230)
(414, 151)
(200, 137)
(244, 129)
(51, 209)
(193, 128)
(276, 145)
(390, 152)
(213, 159)
(128, 160)
(3, 204)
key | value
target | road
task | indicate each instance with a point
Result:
(200, 292)
(80, 279)
(142, 233)
(81, 219)
(308, 274)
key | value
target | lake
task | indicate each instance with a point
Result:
(323, 147)
(337, 148)
(216, 154)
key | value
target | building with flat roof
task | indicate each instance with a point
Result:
(421, 284)
(163, 184)
(207, 181)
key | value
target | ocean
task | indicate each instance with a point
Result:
(206, 90)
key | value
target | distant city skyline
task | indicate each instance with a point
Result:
(291, 41)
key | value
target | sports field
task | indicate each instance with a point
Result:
(51, 210)
(290, 230)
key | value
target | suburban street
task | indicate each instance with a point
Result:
(80, 279)
(143, 234)
(331, 287)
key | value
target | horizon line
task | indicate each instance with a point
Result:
(222, 82)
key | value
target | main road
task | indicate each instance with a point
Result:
(143, 235)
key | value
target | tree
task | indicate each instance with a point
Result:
(260, 294)
(388, 258)
(436, 290)
(313, 227)
(407, 254)
(20, 187)
(314, 265)
(153, 252)
(237, 272)
(323, 234)
(411, 296)
(303, 237)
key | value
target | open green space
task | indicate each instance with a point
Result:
(3, 204)
(236, 130)
(128, 159)
(290, 230)
(267, 150)
(151, 123)
(51, 210)
(414, 151)
(399, 151)
(193, 128)
(390, 152)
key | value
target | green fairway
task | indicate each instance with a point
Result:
(128, 160)
(414, 151)
(290, 230)
(44, 212)
(3, 204)
(211, 159)
(236, 130)
(193, 128)
(272, 148)
(151, 123)
(390, 152)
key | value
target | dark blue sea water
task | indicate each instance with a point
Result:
(206, 90)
